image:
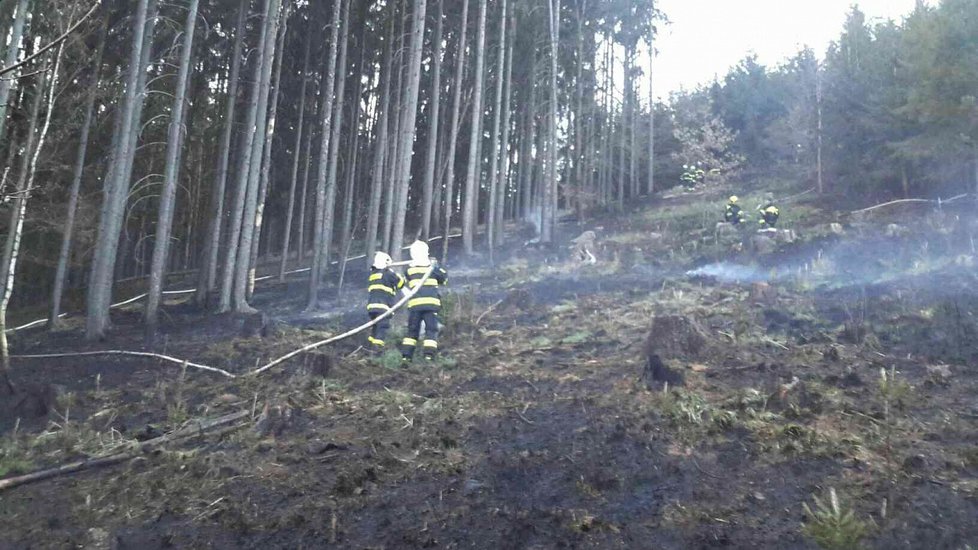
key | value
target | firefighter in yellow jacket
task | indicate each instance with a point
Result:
(382, 286)
(424, 306)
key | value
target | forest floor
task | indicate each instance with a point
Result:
(843, 363)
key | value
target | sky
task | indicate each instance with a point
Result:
(707, 37)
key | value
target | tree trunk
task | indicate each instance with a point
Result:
(35, 143)
(13, 50)
(550, 187)
(318, 262)
(233, 248)
(454, 127)
(303, 194)
(250, 219)
(409, 115)
(266, 164)
(117, 179)
(207, 277)
(168, 195)
(818, 132)
(380, 144)
(469, 213)
(334, 141)
(295, 161)
(431, 161)
(349, 187)
(64, 254)
(390, 192)
(504, 149)
(651, 181)
(495, 149)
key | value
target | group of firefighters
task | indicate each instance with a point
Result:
(383, 286)
(769, 213)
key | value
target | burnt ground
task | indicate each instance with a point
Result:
(537, 428)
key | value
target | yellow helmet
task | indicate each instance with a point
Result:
(734, 199)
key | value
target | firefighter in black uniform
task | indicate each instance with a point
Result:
(424, 306)
(769, 213)
(733, 214)
(382, 286)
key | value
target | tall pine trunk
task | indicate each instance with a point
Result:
(249, 230)
(469, 213)
(380, 146)
(13, 50)
(501, 192)
(409, 115)
(318, 261)
(495, 150)
(168, 195)
(35, 143)
(431, 160)
(232, 246)
(454, 127)
(207, 277)
(116, 187)
(61, 272)
(290, 209)
(550, 186)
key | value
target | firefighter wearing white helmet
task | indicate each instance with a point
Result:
(425, 305)
(734, 214)
(382, 286)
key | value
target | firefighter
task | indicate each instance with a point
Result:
(424, 306)
(734, 215)
(691, 176)
(382, 286)
(769, 213)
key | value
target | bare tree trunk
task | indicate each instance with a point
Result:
(632, 122)
(303, 194)
(454, 126)
(334, 147)
(168, 195)
(390, 193)
(266, 165)
(409, 115)
(432, 153)
(550, 187)
(818, 131)
(117, 180)
(495, 150)
(35, 143)
(13, 50)
(469, 213)
(233, 248)
(207, 279)
(578, 155)
(318, 261)
(504, 150)
(349, 188)
(295, 161)
(250, 219)
(380, 144)
(65, 253)
(651, 180)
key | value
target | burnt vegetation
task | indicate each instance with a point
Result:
(190, 189)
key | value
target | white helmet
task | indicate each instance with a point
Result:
(382, 260)
(419, 254)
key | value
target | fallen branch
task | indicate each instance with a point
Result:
(487, 312)
(127, 353)
(348, 333)
(198, 428)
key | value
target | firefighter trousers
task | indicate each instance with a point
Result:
(430, 344)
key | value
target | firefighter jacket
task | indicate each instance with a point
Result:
(382, 287)
(428, 297)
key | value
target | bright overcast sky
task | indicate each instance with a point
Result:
(706, 37)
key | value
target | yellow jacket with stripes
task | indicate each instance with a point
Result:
(428, 297)
(382, 287)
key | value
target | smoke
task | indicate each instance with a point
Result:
(726, 272)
